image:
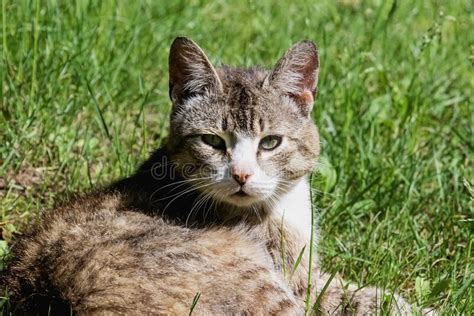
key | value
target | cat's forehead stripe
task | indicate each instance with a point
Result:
(225, 123)
(241, 102)
(244, 120)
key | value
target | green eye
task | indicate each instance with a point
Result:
(213, 141)
(270, 142)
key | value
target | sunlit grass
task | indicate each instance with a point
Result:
(84, 100)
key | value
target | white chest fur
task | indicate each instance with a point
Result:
(295, 209)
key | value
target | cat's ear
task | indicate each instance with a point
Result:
(296, 74)
(190, 71)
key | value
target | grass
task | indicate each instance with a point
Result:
(85, 99)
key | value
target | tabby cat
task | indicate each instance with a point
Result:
(215, 220)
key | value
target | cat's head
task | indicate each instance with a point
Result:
(243, 136)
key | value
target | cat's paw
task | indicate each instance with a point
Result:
(399, 306)
(372, 301)
(429, 312)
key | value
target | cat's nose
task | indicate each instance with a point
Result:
(240, 176)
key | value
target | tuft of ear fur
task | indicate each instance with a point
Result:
(296, 74)
(190, 71)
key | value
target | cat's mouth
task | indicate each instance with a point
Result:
(241, 193)
(241, 198)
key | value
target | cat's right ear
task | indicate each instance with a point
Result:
(296, 75)
(190, 71)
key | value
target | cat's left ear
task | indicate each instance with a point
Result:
(296, 75)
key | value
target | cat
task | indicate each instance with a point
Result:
(215, 220)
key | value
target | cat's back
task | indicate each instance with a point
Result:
(94, 256)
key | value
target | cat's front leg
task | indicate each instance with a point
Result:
(334, 296)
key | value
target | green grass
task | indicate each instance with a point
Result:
(85, 99)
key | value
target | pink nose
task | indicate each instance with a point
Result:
(240, 176)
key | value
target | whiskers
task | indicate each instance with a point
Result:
(200, 196)
(175, 185)
(201, 202)
(178, 189)
(256, 211)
